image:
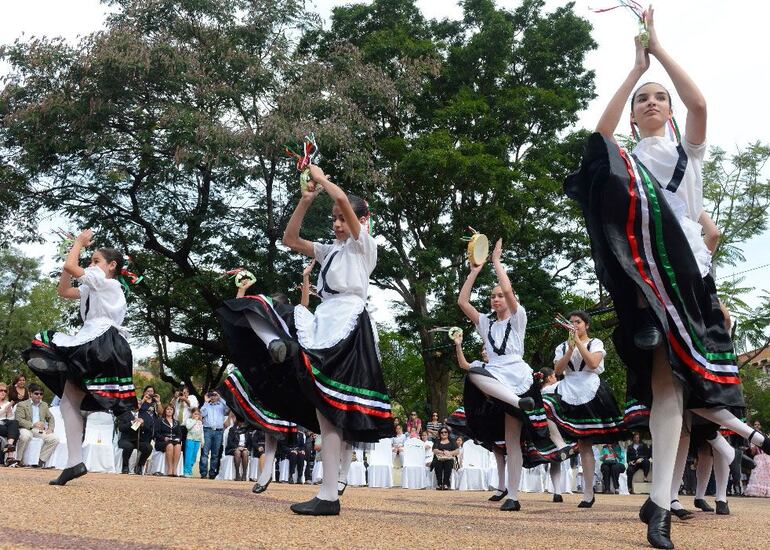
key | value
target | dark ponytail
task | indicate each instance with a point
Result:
(360, 206)
(113, 255)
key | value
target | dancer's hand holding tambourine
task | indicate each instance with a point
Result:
(653, 44)
(86, 238)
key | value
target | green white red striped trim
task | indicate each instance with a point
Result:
(261, 416)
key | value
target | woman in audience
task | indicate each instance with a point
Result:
(433, 426)
(18, 390)
(9, 427)
(414, 423)
(238, 446)
(759, 481)
(398, 446)
(168, 439)
(444, 452)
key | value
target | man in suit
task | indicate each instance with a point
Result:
(135, 429)
(638, 455)
(297, 454)
(35, 420)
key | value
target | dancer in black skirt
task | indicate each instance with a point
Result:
(327, 361)
(582, 405)
(91, 370)
(642, 210)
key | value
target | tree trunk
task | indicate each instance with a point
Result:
(436, 371)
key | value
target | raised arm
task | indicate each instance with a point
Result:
(65, 288)
(614, 110)
(502, 277)
(291, 236)
(461, 360)
(340, 199)
(72, 263)
(691, 96)
(464, 299)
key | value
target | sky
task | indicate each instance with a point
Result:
(722, 45)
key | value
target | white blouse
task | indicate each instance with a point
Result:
(508, 367)
(102, 305)
(343, 284)
(580, 383)
(660, 155)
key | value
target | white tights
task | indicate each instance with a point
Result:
(725, 418)
(71, 398)
(554, 434)
(514, 458)
(267, 471)
(721, 455)
(554, 469)
(500, 460)
(347, 458)
(331, 437)
(681, 460)
(588, 462)
(263, 329)
(494, 388)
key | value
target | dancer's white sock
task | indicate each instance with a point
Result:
(331, 436)
(588, 462)
(500, 460)
(262, 328)
(555, 471)
(266, 474)
(724, 454)
(347, 458)
(665, 426)
(725, 418)
(553, 433)
(703, 471)
(681, 460)
(494, 388)
(71, 398)
(514, 459)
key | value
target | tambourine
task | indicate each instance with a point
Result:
(453, 332)
(244, 275)
(478, 249)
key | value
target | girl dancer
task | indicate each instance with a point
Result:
(332, 356)
(548, 387)
(506, 376)
(582, 405)
(640, 209)
(91, 370)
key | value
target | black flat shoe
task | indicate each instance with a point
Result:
(558, 498)
(722, 508)
(702, 505)
(648, 337)
(498, 498)
(526, 403)
(658, 523)
(586, 504)
(682, 514)
(260, 488)
(510, 505)
(317, 507)
(281, 349)
(340, 492)
(68, 474)
(565, 452)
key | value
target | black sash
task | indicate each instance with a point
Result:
(679, 169)
(325, 288)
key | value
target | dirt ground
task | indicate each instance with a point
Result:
(126, 512)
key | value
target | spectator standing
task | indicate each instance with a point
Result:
(612, 466)
(239, 446)
(297, 456)
(18, 390)
(183, 403)
(413, 423)
(168, 439)
(35, 420)
(194, 439)
(759, 480)
(433, 426)
(444, 453)
(213, 413)
(135, 433)
(638, 455)
(9, 427)
(459, 442)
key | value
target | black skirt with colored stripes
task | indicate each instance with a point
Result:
(638, 246)
(102, 368)
(599, 420)
(237, 393)
(343, 382)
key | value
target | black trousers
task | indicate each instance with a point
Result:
(443, 469)
(297, 464)
(128, 446)
(644, 466)
(611, 470)
(9, 429)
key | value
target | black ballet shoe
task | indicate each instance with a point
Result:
(565, 452)
(703, 505)
(340, 492)
(498, 498)
(658, 522)
(281, 349)
(68, 474)
(510, 505)
(586, 504)
(765, 442)
(317, 507)
(558, 498)
(722, 508)
(526, 403)
(681, 513)
(648, 336)
(260, 488)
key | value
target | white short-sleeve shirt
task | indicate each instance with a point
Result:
(580, 383)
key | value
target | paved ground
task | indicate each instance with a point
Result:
(127, 512)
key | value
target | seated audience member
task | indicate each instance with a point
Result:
(413, 423)
(35, 420)
(428, 447)
(239, 446)
(9, 427)
(459, 442)
(194, 440)
(433, 426)
(168, 439)
(135, 433)
(612, 466)
(638, 455)
(444, 452)
(18, 391)
(397, 444)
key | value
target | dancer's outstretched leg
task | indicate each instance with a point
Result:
(266, 461)
(71, 398)
(555, 435)
(515, 462)
(326, 503)
(726, 419)
(494, 388)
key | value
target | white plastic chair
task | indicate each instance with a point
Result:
(59, 456)
(532, 480)
(471, 477)
(98, 452)
(318, 472)
(357, 471)
(226, 463)
(413, 471)
(381, 464)
(253, 468)
(32, 452)
(158, 463)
